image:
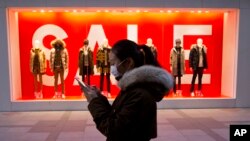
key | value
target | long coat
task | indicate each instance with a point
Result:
(194, 57)
(42, 60)
(132, 116)
(174, 61)
(90, 61)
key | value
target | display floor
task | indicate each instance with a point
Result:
(112, 97)
(173, 125)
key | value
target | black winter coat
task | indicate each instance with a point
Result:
(194, 57)
(132, 116)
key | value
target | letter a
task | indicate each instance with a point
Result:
(237, 132)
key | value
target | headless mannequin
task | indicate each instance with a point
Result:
(38, 68)
(103, 64)
(200, 65)
(152, 47)
(177, 65)
(86, 61)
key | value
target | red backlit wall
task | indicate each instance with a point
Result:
(158, 26)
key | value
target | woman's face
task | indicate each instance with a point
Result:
(122, 65)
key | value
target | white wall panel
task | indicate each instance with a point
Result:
(221, 3)
(243, 76)
(4, 69)
(245, 4)
(66, 3)
(183, 3)
(25, 3)
(2, 3)
(105, 3)
(144, 3)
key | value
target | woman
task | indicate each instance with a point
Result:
(132, 116)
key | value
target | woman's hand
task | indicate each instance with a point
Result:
(92, 93)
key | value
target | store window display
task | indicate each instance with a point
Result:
(55, 25)
(59, 64)
(103, 64)
(37, 68)
(197, 64)
(152, 47)
(177, 65)
(85, 63)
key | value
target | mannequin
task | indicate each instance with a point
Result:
(177, 64)
(37, 67)
(86, 64)
(103, 64)
(197, 64)
(152, 47)
(59, 64)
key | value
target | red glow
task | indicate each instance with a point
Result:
(158, 26)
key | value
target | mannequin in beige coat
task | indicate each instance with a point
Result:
(37, 67)
(177, 64)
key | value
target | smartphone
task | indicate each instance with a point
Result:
(85, 87)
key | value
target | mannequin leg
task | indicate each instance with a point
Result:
(193, 81)
(179, 82)
(174, 89)
(108, 81)
(83, 78)
(56, 80)
(88, 79)
(200, 74)
(88, 75)
(41, 85)
(35, 83)
(101, 81)
(62, 82)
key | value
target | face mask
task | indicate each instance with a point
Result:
(114, 70)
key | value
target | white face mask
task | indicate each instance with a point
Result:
(114, 71)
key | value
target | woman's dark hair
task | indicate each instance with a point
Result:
(141, 55)
(148, 56)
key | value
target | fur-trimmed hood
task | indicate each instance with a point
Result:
(155, 77)
(58, 41)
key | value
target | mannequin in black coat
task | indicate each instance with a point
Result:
(197, 64)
